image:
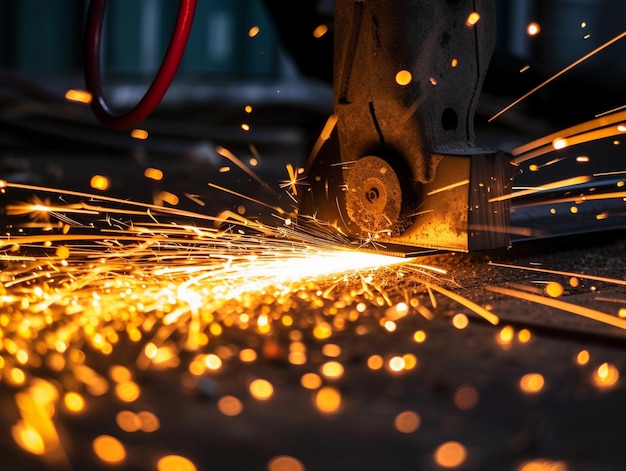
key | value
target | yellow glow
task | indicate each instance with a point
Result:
(410, 361)
(245, 126)
(311, 381)
(78, 96)
(100, 182)
(404, 77)
(252, 32)
(261, 389)
(109, 449)
(460, 321)
(29, 439)
(533, 29)
(559, 143)
(62, 252)
(506, 335)
(247, 355)
(120, 374)
(153, 173)
(128, 421)
(328, 400)
(230, 405)
(213, 362)
(139, 134)
(168, 197)
(466, 397)
(606, 376)
(450, 454)
(543, 465)
(175, 463)
(583, 357)
(532, 383)
(375, 362)
(285, 463)
(127, 391)
(524, 336)
(332, 370)
(554, 289)
(419, 336)
(472, 19)
(149, 421)
(396, 364)
(454, 63)
(331, 350)
(407, 422)
(74, 402)
(322, 331)
(320, 31)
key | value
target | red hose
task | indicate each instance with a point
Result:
(161, 82)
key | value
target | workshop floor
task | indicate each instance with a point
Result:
(463, 386)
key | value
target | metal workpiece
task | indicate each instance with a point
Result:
(407, 77)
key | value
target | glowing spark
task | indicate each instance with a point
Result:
(153, 174)
(606, 376)
(563, 306)
(78, 96)
(558, 74)
(139, 134)
(472, 19)
(404, 77)
(533, 29)
(100, 182)
(448, 187)
(320, 31)
(532, 383)
(252, 32)
(450, 454)
(549, 186)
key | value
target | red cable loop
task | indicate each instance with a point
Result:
(161, 82)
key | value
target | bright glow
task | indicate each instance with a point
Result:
(532, 383)
(450, 454)
(606, 376)
(582, 358)
(153, 174)
(320, 31)
(460, 321)
(252, 32)
(533, 29)
(139, 134)
(472, 19)
(328, 400)
(100, 182)
(109, 449)
(404, 77)
(332, 370)
(175, 463)
(261, 389)
(79, 96)
(554, 289)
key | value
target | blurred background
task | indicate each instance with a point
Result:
(280, 68)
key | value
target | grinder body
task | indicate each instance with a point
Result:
(400, 167)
